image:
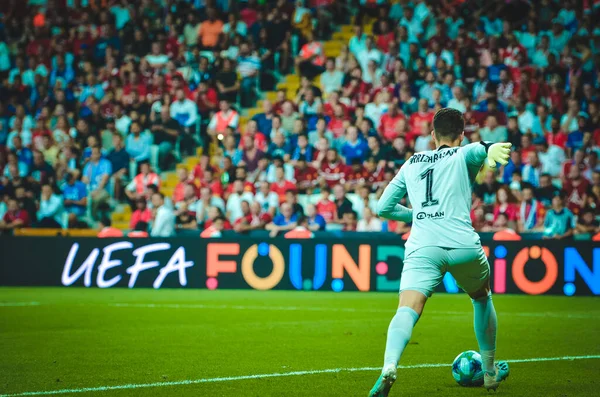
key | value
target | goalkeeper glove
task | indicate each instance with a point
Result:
(498, 153)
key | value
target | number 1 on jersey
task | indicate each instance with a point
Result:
(429, 200)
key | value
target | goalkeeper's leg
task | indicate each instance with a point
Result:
(485, 324)
(420, 276)
(399, 333)
(471, 271)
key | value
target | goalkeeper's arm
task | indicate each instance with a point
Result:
(495, 153)
(388, 207)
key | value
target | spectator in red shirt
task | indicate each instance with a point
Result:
(417, 119)
(385, 36)
(14, 218)
(206, 99)
(374, 173)
(578, 161)
(557, 94)
(311, 60)
(384, 86)
(259, 139)
(212, 182)
(254, 219)
(305, 175)
(280, 99)
(556, 136)
(38, 133)
(575, 187)
(184, 179)
(245, 207)
(333, 99)
(338, 122)
(215, 213)
(325, 207)
(387, 128)
(137, 187)
(355, 175)
(172, 44)
(141, 214)
(198, 173)
(526, 147)
(332, 168)
(133, 85)
(281, 185)
(190, 198)
(241, 174)
(506, 204)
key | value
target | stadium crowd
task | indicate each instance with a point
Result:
(98, 97)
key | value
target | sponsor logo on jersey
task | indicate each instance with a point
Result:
(430, 215)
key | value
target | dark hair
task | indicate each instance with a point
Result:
(162, 196)
(586, 210)
(448, 124)
(141, 226)
(302, 219)
(106, 221)
(140, 163)
(377, 139)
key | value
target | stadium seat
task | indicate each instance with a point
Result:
(81, 232)
(343, 37)
(271, 95)
(38, 232)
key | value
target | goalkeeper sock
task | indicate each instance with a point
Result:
(485, 330)
(399, 333)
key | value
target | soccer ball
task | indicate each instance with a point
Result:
(467, 369)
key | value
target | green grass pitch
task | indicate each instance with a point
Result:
(198, 343)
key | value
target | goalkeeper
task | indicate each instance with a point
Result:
(442, 240)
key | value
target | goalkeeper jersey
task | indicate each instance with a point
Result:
(439, 185)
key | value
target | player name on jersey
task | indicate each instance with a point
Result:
(424, 158)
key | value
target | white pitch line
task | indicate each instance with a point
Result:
(338, 309)
(272, 375)
(14, 304)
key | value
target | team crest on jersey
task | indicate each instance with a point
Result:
(430, 215)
